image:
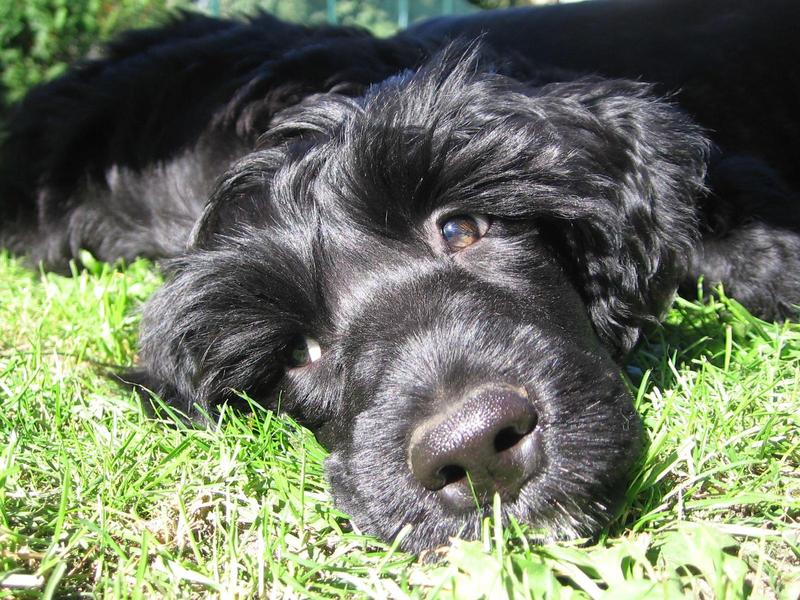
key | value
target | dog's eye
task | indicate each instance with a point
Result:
(464, 230)
(302, 351)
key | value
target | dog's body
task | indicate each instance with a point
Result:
(436, 259)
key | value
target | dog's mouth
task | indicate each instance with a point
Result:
(549, 474)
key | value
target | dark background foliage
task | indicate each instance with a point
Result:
(39, 38)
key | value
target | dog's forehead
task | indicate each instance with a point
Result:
(390, 151)
(405, 153)
(329, 239)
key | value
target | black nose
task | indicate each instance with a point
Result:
(486, 443)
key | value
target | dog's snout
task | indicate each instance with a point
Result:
(486, 443)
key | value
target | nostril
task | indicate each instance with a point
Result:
(509, 437)
(452, 474)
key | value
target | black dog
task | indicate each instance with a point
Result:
(434, 259)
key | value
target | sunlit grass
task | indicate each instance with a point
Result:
(97, 497)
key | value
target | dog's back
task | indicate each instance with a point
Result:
(119, 155)
(731, 64)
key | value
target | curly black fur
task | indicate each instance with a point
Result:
(343, 155)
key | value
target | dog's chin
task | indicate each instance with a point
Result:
(573, 493)
(545, 511)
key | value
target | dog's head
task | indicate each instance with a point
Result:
(439, 279)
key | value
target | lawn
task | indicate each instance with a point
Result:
(99, 499)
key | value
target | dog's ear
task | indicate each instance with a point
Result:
(628, 233)
(175, 336)
(223, 322)
(213, 328)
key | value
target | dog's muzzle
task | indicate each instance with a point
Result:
(484, 443)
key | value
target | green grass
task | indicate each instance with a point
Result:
(97, 498)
